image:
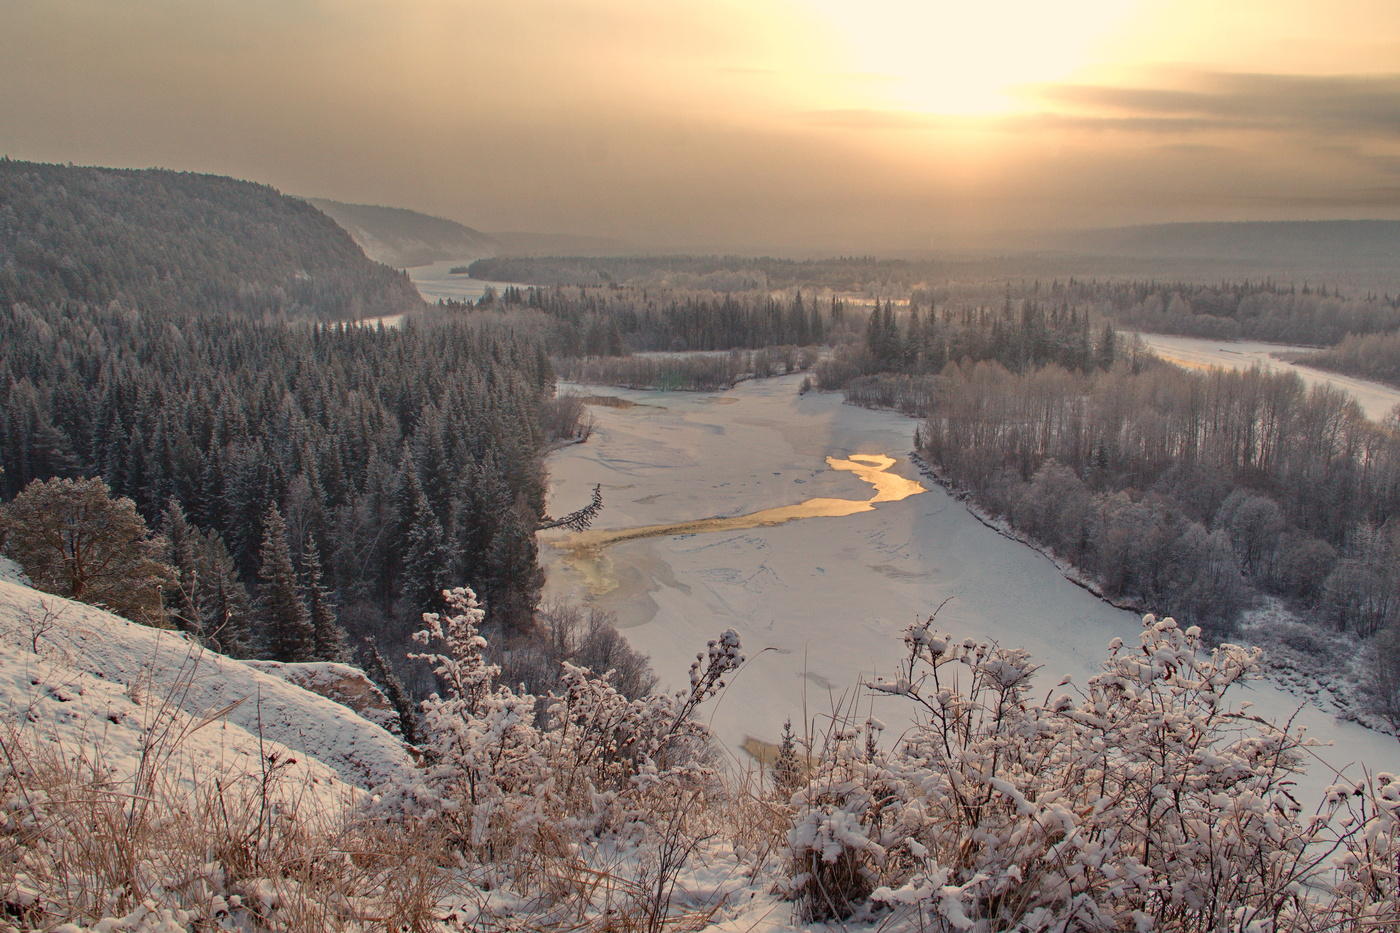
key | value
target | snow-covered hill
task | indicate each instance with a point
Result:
(97, 688)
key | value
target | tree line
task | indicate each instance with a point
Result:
(1369, 356)
(1190, 492)
(614, 322)
(1267, 311)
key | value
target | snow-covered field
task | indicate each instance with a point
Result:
(821, 602)
(1376, 399)
(435, 282)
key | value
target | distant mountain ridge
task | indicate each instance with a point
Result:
(177, 243)
(397, 236)
(1311, 240)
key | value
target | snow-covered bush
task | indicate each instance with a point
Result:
(1143, 801)
(506, 786)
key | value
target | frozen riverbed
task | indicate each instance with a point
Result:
(820, 602)
(1376, 399)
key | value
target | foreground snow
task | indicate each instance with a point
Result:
(821, 602)
(1376, 400)
(94, 686)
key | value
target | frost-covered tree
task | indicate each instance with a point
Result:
(284, 624)
(1383, 683)
(378, 670)
(787, 769)
(328, 635)
(207, 600)
(426, 558)
(74, 539)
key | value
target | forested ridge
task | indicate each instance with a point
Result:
(174, 243)
(401, 237)
(172, 335)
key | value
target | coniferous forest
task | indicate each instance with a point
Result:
(299, 469)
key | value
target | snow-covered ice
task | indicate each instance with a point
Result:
(822, 602)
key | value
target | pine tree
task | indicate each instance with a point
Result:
(285, 625)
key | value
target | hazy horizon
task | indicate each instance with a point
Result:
(810, 125)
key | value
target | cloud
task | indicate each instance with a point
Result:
(1312, 105)
(1372, 197)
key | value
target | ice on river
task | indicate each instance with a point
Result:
(821, 602)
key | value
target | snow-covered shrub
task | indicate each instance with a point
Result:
(836, 842)
(1141, 802)
(505, 785)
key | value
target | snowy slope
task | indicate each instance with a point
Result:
(821, 603)
(346, 685)
(101, 686)
(10, 572)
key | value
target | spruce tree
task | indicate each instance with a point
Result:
(328, 635)
(787, 770)
(182, 547)
(285, 625)
(378, 670)
(426, 559)
(224, 603)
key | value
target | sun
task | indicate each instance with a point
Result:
(966, 58)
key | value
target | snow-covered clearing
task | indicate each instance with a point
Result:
(87, 683)
(821, 602)
(387, 321)
(1376, 399)
(435, 282)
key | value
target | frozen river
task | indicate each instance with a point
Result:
(436, 281)
(819, 601)
(1376, 399)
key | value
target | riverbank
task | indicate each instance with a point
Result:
(822, 603)
(1319, 667)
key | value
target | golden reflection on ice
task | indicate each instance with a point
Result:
(584, 551)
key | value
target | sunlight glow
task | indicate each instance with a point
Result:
(968, 58)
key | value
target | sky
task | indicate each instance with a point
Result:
(841, 125)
